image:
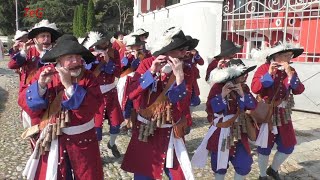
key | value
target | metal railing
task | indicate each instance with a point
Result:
(252, 22)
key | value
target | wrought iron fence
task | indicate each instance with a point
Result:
(258, 24)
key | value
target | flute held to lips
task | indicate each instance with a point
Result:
(71, 68)
(279, 65)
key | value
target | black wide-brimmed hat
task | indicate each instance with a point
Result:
(172, 39)
(44, 26)
(233, 69)
(101, 41)
(193, 42)
(228, 48)
(67, 44)
(141, 32)
(280, 47)
(118, 33)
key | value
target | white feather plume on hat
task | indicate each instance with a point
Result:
(80, 40)
(164, 40)
(93, 37)
(262, 55)
(45, 23)
(19, 34)
(219, 75)
(129, 40)
(112, 39)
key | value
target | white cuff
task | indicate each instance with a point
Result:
(69, 92)
(23, 53)
(42, 54)
(41, 90)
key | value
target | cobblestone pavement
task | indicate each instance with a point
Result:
(304, 163)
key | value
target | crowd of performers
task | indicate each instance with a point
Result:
(69, 87)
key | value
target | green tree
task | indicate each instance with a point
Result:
(82, 21)
(90, 16)
(75, 22)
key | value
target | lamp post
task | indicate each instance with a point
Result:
(17, 18)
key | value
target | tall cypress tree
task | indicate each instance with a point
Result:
(82, 21)
(90, 16)
(75, 22)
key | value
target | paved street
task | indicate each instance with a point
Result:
(303, 164)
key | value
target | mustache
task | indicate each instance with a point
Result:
(71, 68)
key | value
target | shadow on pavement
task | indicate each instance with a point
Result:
(307, 135)
(302, 174)
(193, 144)
(6, 71)
(309, 163)
(3, 99)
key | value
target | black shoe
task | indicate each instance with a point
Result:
(274, 174)
(114, 150)
(263, 178)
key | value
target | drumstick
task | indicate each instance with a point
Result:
(71, 68)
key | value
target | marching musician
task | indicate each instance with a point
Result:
(62, 100)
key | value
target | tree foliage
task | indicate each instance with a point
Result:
(90, 16)
(75, 24)
(8, 16)
(57, 11)
(114, 15)
(81, 21)
(108, 15)
(125, 10)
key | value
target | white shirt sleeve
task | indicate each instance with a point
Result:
(69, 92)
(23, 53)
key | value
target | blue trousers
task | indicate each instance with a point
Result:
(280, 148)
(241, 162)
(113, 130)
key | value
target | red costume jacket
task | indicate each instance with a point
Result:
(195, 100)
(110, 106)
(211, 66)
(27, 65)
(81, 149)
(194, 61)
(120, 47)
